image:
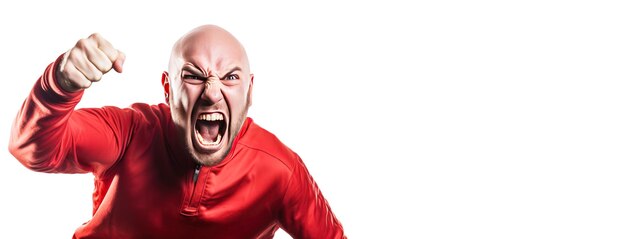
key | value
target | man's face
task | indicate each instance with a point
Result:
(210, 88)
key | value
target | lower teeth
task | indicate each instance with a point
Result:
(201, 139)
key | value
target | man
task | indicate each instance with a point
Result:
(195, 167)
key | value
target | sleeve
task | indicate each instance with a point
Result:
(305, 213)
(48, 135)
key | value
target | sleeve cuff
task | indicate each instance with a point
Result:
(52, 89)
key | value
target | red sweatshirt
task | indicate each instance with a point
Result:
(144, 178)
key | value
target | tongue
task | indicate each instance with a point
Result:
(208, 130)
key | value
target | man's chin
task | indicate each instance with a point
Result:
(209, 156)
(207, 160)
(210, 159)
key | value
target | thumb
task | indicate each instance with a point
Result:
(119, 62)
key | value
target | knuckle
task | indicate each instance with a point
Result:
(85, 43)
(97, 76)
(104, 65)
(107, 67)
(95, 36)
(82, 43)
(84, 84)
(73, 55)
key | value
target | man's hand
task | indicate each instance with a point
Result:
(86, 62)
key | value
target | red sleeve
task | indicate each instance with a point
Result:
(48, 135)
(305, 212)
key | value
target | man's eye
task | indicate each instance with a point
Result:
(232, 77)
(193, 79)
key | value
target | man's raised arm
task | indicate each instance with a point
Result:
(48, 135)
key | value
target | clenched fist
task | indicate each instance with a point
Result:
(87, 61)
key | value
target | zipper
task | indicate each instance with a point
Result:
(190, 206)
(195, 174)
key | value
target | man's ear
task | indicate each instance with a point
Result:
(165, 81)
(250, 90)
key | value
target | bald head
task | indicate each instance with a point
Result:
(208, 45)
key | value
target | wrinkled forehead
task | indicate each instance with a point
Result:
(209, 49)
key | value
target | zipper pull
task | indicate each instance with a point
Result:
(196, 172)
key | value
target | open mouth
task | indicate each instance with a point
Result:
(210, 128)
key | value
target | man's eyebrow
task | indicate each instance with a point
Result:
(193, 70)
(235, 68)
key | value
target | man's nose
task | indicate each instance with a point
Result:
(212, 90)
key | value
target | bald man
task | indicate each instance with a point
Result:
(195, 167)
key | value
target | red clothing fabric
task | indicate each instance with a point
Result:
(144, 178)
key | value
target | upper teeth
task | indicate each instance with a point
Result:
(211, 117)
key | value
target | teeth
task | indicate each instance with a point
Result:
(217, 140)
(211, 117)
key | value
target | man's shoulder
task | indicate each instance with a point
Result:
(263, 142)
(142, 111)
(141, 116)
(158, 110)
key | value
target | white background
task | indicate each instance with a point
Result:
(434, 119)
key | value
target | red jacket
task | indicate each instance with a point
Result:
(144, 178)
